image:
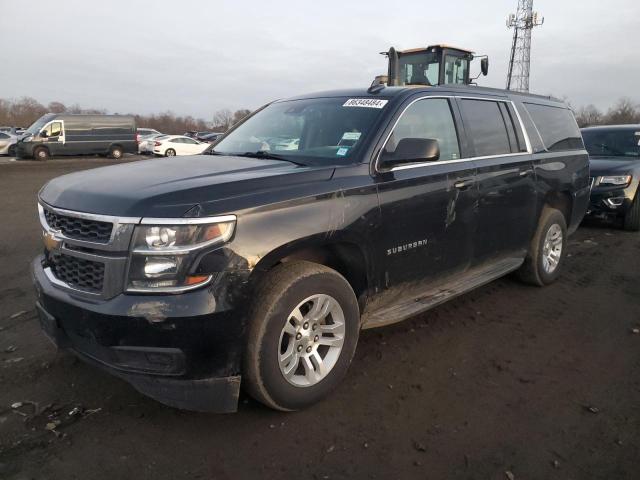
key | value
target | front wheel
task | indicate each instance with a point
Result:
(12, 151)
(547, 250)
(116, 152)
(303, 330)
(41, 153)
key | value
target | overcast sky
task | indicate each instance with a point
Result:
(194, 57)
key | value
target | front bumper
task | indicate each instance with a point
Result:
(24, 150)
(610, 201)
(181, 350)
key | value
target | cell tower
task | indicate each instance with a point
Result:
(522, 23)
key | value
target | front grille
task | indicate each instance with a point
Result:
(77, 272)
(79, 228)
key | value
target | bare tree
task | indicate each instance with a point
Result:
(240, 114)
(56, 107)
(589, 115)
(223, 119)
(623, 112)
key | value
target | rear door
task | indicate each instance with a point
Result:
(427, 209)
(505, 176)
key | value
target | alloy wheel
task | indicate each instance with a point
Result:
(311, 340)
(552, 248)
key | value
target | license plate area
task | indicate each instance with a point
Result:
(50, 327)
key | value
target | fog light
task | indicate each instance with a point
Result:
(155, 267)
(614, 202)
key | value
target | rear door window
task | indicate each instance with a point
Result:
(557, 127)
(487, 127)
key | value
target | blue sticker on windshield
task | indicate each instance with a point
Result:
(341, 152)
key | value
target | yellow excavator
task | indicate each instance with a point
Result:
(434, 65)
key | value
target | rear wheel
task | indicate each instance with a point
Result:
(303, 331)
(41, 153)
(547, 249)
(632, 217)
(116, 152)
(170, 152)
(12, 151)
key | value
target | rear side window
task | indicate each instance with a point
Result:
(487, 126)
(557, 127)
(4, 136)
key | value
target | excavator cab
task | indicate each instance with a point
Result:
(434, 65)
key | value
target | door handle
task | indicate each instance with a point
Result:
(524, 173)
(461, 184)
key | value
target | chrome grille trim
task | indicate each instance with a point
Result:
(114, 254)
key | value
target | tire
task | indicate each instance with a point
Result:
(41, 153)
(272, 333)
(12, 151)
(632, 217)
(170, 152)
(116, 152)
(538, 269)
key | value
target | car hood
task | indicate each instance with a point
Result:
(169, 187)
(613, 165)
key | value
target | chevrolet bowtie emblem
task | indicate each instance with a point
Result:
(50, 242)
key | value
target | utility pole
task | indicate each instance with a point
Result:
(522, 23)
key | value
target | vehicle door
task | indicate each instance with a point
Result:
(192, 146)
(427, 208)
(178, 145)
(53, 137)
(5, 141)
(506, 180)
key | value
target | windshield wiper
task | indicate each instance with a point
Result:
(268, 156)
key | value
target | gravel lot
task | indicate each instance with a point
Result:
(508, 381)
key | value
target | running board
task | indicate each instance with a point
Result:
(413, 305)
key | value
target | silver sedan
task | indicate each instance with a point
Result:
(8, 144)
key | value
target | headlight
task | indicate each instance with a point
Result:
(619, 180)
(27, 138)
(164, 250)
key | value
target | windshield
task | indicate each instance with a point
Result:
(419, 69)
(307, 131)
(612, 143)
(38, 124)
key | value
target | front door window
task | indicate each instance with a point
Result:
(54, 130)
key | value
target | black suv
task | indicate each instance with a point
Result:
(262, 260)
(614, 152)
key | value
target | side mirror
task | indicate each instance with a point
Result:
(412, 150)
(44, 134)
(484, 66)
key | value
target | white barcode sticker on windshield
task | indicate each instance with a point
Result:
(365, 102)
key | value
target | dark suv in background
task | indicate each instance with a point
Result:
(260, 262)
(614, 152)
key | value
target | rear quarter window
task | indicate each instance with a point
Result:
(557, 127)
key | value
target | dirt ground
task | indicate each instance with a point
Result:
(508, 381)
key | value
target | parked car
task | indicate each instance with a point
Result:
(148, 143)
(145, 133)
(210, 137)
(260, 266)
(75, 134)
(8, 144)
(17, 131)
(196, 135)
(614, 152)
(172, 145)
